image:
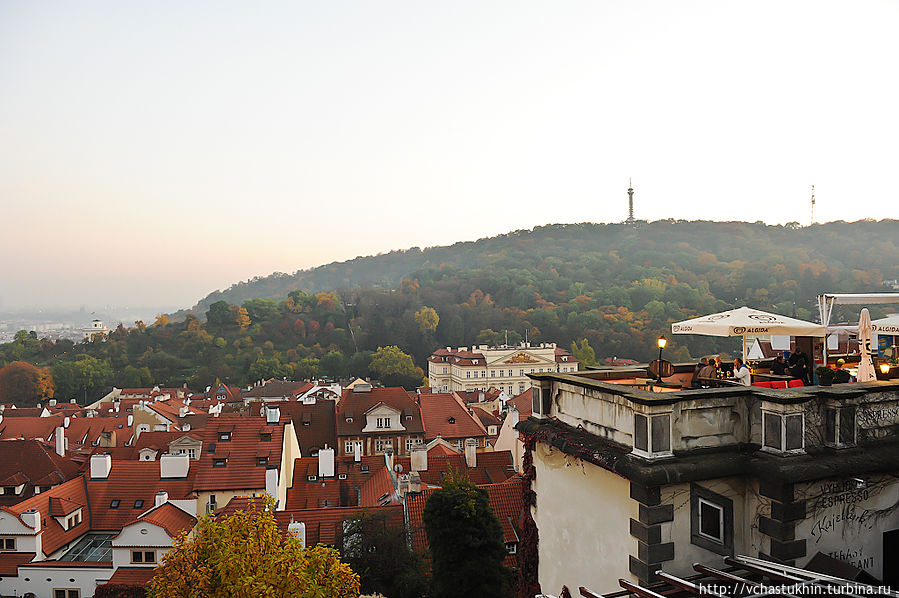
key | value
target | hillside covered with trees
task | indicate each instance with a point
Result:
(613, 285)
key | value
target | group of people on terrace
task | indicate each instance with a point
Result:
(797, 367)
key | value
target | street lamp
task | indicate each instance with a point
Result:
(661, 342)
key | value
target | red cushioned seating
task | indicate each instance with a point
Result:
(795, 383)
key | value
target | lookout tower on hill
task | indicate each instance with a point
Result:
(630, 204)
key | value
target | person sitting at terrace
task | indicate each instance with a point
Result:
(697, 372)
(741, 373)
(709, 371)
(779, 367)
(841, 376)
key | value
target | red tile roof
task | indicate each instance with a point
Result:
(323, 526)
(10, 561)
(506, 501)
(446, 415)
(132, 576)
(241, 471)
(169, 517)
(276, 389)
(492, 467)
(523, 403)
(315, 423)
(357, 404)
(62, 507)
(86, 431)
(360, 488)
(33, 463)
(30, 427)
(22, 412)
(53, 536)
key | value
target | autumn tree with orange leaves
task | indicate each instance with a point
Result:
(24, 384)
(245, 555)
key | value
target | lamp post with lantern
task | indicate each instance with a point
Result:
(662, 341)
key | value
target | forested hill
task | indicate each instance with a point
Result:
(702, 248)
(610, 288)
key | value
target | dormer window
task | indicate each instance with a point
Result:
(74, 520)
(311, 478)
(452, 420)
(363, 468)
(224, 436)
(408, 417)
(114, 504)
(9, 490)
(383, 422)
(265, 437)
(219, 462)
(349, 420)
(261, 461)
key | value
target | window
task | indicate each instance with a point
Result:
(73, 520)
(139, 503)
(8, 544)
(262, 461)
(493, 374)
(67, 593)
(114, 504)
(652, 434)
(225, 437)
(502, 373)
(379, 444)
(143, 556)
(219, 462)
(711, 520)
(468, 374)
(9, 490)
(484, 374)
(512, 547)
(410, 442)
(267, 436)
(783, 432)
(521, 372)
(839, 425)
(383, 422)
(348, 447)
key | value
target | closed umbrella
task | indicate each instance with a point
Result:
(866, 365)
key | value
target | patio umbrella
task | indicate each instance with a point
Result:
(887, 326)
(866, 365)
(745, 320)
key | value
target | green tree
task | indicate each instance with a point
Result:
(584, 353)
(219, 315)
(81, 377)
(137, 377)
(24, 384)
(466, 541)
(247, 555)
(379, 553)
(395, 368)
(427, 320)
(269, 367)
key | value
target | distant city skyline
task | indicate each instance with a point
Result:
(150, 154)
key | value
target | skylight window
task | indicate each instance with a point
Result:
(114, 504)
(139, 503)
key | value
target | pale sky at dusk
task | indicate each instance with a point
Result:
(153, 152)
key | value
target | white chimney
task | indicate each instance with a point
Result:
(174, 466)
(326, 462)
(272, 415)
(66, 421)
(357, 452)
(32, 519)
(162, 497)
(72, 401)
(388, 460)
(298, 529)
(100, 466)
(130, 420)
(52, 403)
(419, 458)
(61, 441)
(271, 482)
(117, 403)
(471, 452)
(182, 411)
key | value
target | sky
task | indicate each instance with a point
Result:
(152, 152)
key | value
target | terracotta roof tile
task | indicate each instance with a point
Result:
(446, 415)
(132, 576)
(53, 536)
(33, 463)
(357, 404)
(29, 427)
(241, 471)
(10, 561)
(315, 423)
(365, 483)
(169, 517)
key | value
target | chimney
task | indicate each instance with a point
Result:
(388, 460)
(298, 530)
(66, 421)
(471, 452)
(72, 401)
(326, 462)
(100, 466)
(357, 452)
(162, 497)
(271, 480)
(117, 404)
(272, 415)
(52, 403)
(130, 420)
(32, 519)
(61, 441)
(419, 458)
(182, 411)
(173, 466)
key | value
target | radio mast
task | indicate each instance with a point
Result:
(813, 206)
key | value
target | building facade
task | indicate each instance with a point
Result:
(666, 480)
(505, 368)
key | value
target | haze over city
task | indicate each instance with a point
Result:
(151, 155)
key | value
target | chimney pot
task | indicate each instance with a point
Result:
(419, 458)
(61, 441)
(174, 466)
(471, 452)
(326, 462)
(162, 497)
(100, 466)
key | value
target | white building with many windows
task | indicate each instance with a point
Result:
(506, 368)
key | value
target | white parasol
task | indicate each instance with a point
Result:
(886, 326)
(866, 365)
(745, 320)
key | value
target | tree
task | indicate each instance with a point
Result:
(466, 541)
(395, 368)
(241, 317)
(427, 320)
(219, 315)
(584, 353)
(247, 555)
(378, 552)
(24, 384)
(137, 377)
(81, 376)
